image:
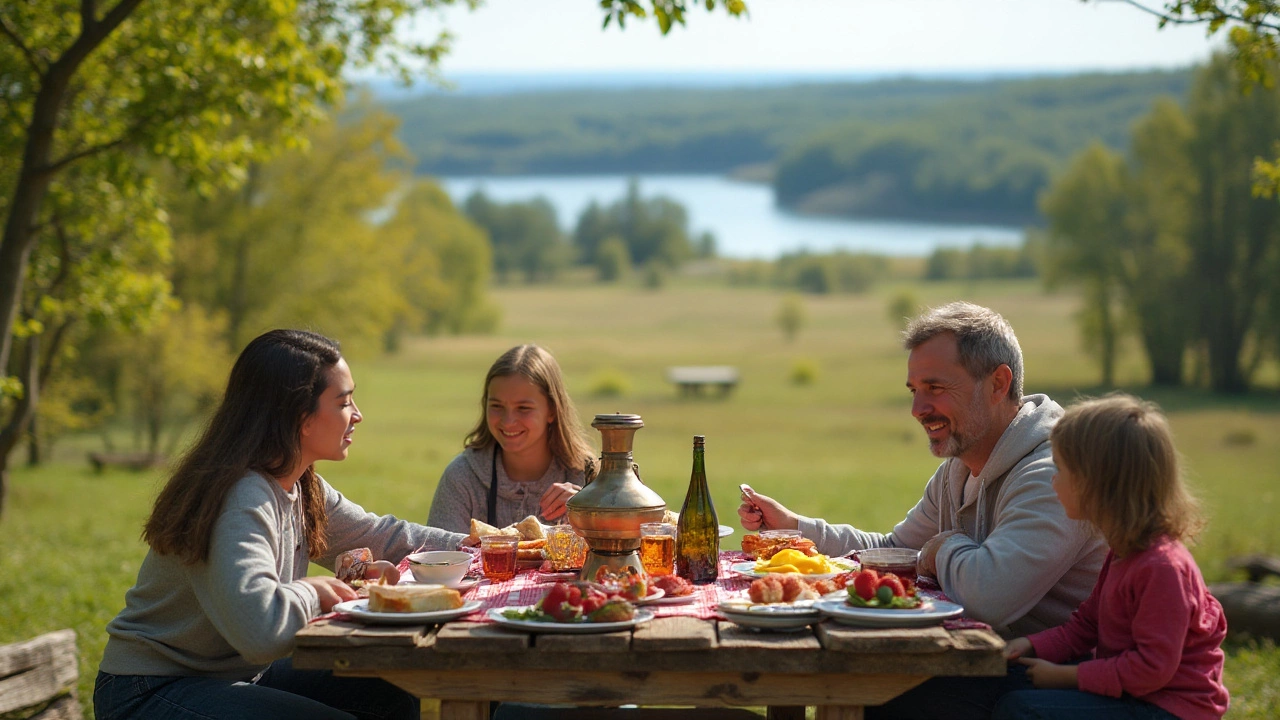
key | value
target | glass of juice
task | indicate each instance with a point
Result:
(498, 556)
(658, 548)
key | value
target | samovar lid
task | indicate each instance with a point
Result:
(617, 420)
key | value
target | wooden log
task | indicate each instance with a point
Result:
(38, 670)
(1257, 567)
(1250, 607)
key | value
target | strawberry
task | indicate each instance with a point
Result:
(865, 584)
(563, 602)
(592, 599)
(892, 582)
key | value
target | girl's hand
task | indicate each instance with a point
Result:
(1049, 676)
(1019, 648)
(761, 512)
(553, 500)
(382, 571)
(330, 590)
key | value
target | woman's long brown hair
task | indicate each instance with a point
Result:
(1120, 451)
(565, 435)
(274, 385)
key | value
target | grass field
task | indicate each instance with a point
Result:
(844, 447)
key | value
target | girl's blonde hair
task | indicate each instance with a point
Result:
(564, 435)
(1119, 449)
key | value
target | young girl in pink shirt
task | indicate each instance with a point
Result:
(1152, 628)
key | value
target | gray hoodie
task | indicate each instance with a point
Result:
(1018, 563)
(233, 615)
(463, 492)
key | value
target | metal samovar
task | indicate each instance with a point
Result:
(609, 510)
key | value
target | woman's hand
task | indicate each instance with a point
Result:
(761, 512)
(553, 500)
(330, 590)
(1019, 648)
(1050, 676)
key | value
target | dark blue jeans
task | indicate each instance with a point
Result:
(281, 693)
(1070, 704)
(952, 698)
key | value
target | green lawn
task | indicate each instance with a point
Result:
(844, 447)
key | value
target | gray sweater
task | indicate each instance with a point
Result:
(463, 492)
(231, 616)
(1019, 563)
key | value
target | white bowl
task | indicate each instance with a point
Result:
(443, 567)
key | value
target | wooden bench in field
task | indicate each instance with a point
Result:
(1252, 606)
(38, 677)
(691, 379)
(130, 460)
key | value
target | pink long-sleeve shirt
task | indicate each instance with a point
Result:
(1154, 630)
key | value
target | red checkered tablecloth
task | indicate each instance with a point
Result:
(529, 585)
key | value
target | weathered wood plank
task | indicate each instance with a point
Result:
(841, 638)
(674, 633)
(733, 635)
(463, 710)
(37, 670)
(64, 708)
(591, 643)
(976, 640)
(479, 638)
(838, 712)
(342, 633)
(655, 688)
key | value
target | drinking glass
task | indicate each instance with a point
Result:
(658, 548)
(566, 549)
(498, 556)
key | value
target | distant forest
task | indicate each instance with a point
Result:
(939, 149)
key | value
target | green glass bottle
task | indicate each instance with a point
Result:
(698, 530)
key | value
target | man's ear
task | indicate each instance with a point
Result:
(1001, 379)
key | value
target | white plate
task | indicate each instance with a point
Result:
(359, 609)
(725, 531)
(495, 614)
(655, 594)
(674, 599)
(770, 617)
(748, 568)
(931, 612)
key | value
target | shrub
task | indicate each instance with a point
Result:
(804, 372)
(610, 383)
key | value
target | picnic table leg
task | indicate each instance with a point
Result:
(839, 712)
(785, 712)
(464, 710)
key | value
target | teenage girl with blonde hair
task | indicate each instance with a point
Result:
(1151, 626)
(527, 454)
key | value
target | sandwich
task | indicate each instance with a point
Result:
(412, 598)
(528, 529)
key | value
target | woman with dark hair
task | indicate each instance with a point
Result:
(207, 630)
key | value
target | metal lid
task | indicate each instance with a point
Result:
(617, 420)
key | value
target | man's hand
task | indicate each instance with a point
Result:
(761, 512)
(1019, 648)
(553, 500)
(928, 562)
(1049, 676)
(330, 590)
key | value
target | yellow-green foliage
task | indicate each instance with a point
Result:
(845, 447)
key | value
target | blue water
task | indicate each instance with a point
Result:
(741, 215)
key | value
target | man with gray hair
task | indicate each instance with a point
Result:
(989, 526)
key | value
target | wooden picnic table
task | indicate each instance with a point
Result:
(693, 378)
(681, 661)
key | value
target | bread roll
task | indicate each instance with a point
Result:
(412, 598)
(531, 529)
(479, 528)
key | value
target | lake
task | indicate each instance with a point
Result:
(743, 216)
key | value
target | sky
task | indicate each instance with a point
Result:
(819, 36)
